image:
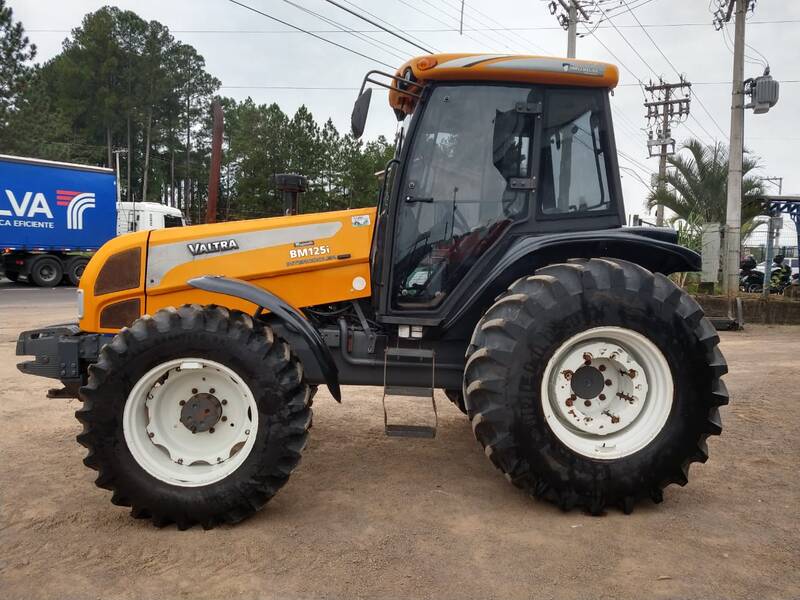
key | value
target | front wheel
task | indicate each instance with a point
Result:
(595, 383)
(196, 415)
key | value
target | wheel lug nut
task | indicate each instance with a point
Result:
(224, 402)
(211, 430)
(151, 434)
(180, 461)
(224, 418)
(211, 391)
(194, 390)
(182, 402)
(601, 368)
(587, 402)
(602, 396)
(608, 382)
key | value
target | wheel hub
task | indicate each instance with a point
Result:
(587, 382)
(600, 388)
(190, 422)
(607, 392)
(201, 412)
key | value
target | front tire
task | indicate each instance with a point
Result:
(194, 415)
(595, 384)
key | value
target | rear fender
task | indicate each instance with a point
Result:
(291, 317)
(653, 249)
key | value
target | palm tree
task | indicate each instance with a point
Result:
(696, 190)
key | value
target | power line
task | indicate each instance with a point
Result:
(674, 68)
(370, 40)
(429, 30)
(457, 10)
(319, 37)
(371, 22)
(504, 29)
(430, 16)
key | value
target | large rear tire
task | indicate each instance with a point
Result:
(196, 415)
(595, 384)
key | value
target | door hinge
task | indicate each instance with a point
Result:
(531, 108)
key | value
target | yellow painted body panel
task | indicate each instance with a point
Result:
(93, 305)
(305, 259)
(502, 68)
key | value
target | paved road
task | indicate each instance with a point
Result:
(22, 294)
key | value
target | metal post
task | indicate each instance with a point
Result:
(768, 253)
(733, 219)
(216, 157)
(768, 256)
(662, 161)
(572, 30)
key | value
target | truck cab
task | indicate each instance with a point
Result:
(146, 216)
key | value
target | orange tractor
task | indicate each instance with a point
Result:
(496, 267)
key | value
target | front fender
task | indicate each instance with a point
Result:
(293, 319)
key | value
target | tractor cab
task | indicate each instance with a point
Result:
(497, 148)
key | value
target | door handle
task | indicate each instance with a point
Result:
(412, 199)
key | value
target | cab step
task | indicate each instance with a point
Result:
(402, 355)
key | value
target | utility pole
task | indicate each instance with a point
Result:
(733, 214)
(119, 192)
(570, 13)
(216, 158)
(669, 103)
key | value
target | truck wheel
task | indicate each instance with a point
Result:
(46, 272)
(194, 415)
(594, 384)
(75, 268)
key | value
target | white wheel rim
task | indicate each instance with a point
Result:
(156, 414)
(621, 412)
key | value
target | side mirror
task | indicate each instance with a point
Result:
(358, 118)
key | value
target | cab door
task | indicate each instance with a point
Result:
(466, 184)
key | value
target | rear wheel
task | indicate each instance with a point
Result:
(595, 384)
(46, 272)
(196, 415)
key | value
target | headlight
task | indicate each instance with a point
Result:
(120, 272)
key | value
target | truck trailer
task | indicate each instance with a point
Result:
(54, 216)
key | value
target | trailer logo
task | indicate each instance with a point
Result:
(77, 203)
(211, 247)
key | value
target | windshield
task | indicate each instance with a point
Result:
(468, 177)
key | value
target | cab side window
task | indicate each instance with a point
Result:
(573, 174)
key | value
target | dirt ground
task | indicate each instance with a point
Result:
(366, 516)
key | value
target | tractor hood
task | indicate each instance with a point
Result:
(306, 260)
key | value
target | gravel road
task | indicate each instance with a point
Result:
(367, 516)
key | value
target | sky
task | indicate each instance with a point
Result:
(258, 57)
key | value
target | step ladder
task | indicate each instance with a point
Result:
(402, 355)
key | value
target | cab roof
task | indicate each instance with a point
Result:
(513, 68)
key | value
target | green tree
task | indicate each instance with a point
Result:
(16, 52)
(696, 190)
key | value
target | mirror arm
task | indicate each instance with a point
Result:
(390, 86)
